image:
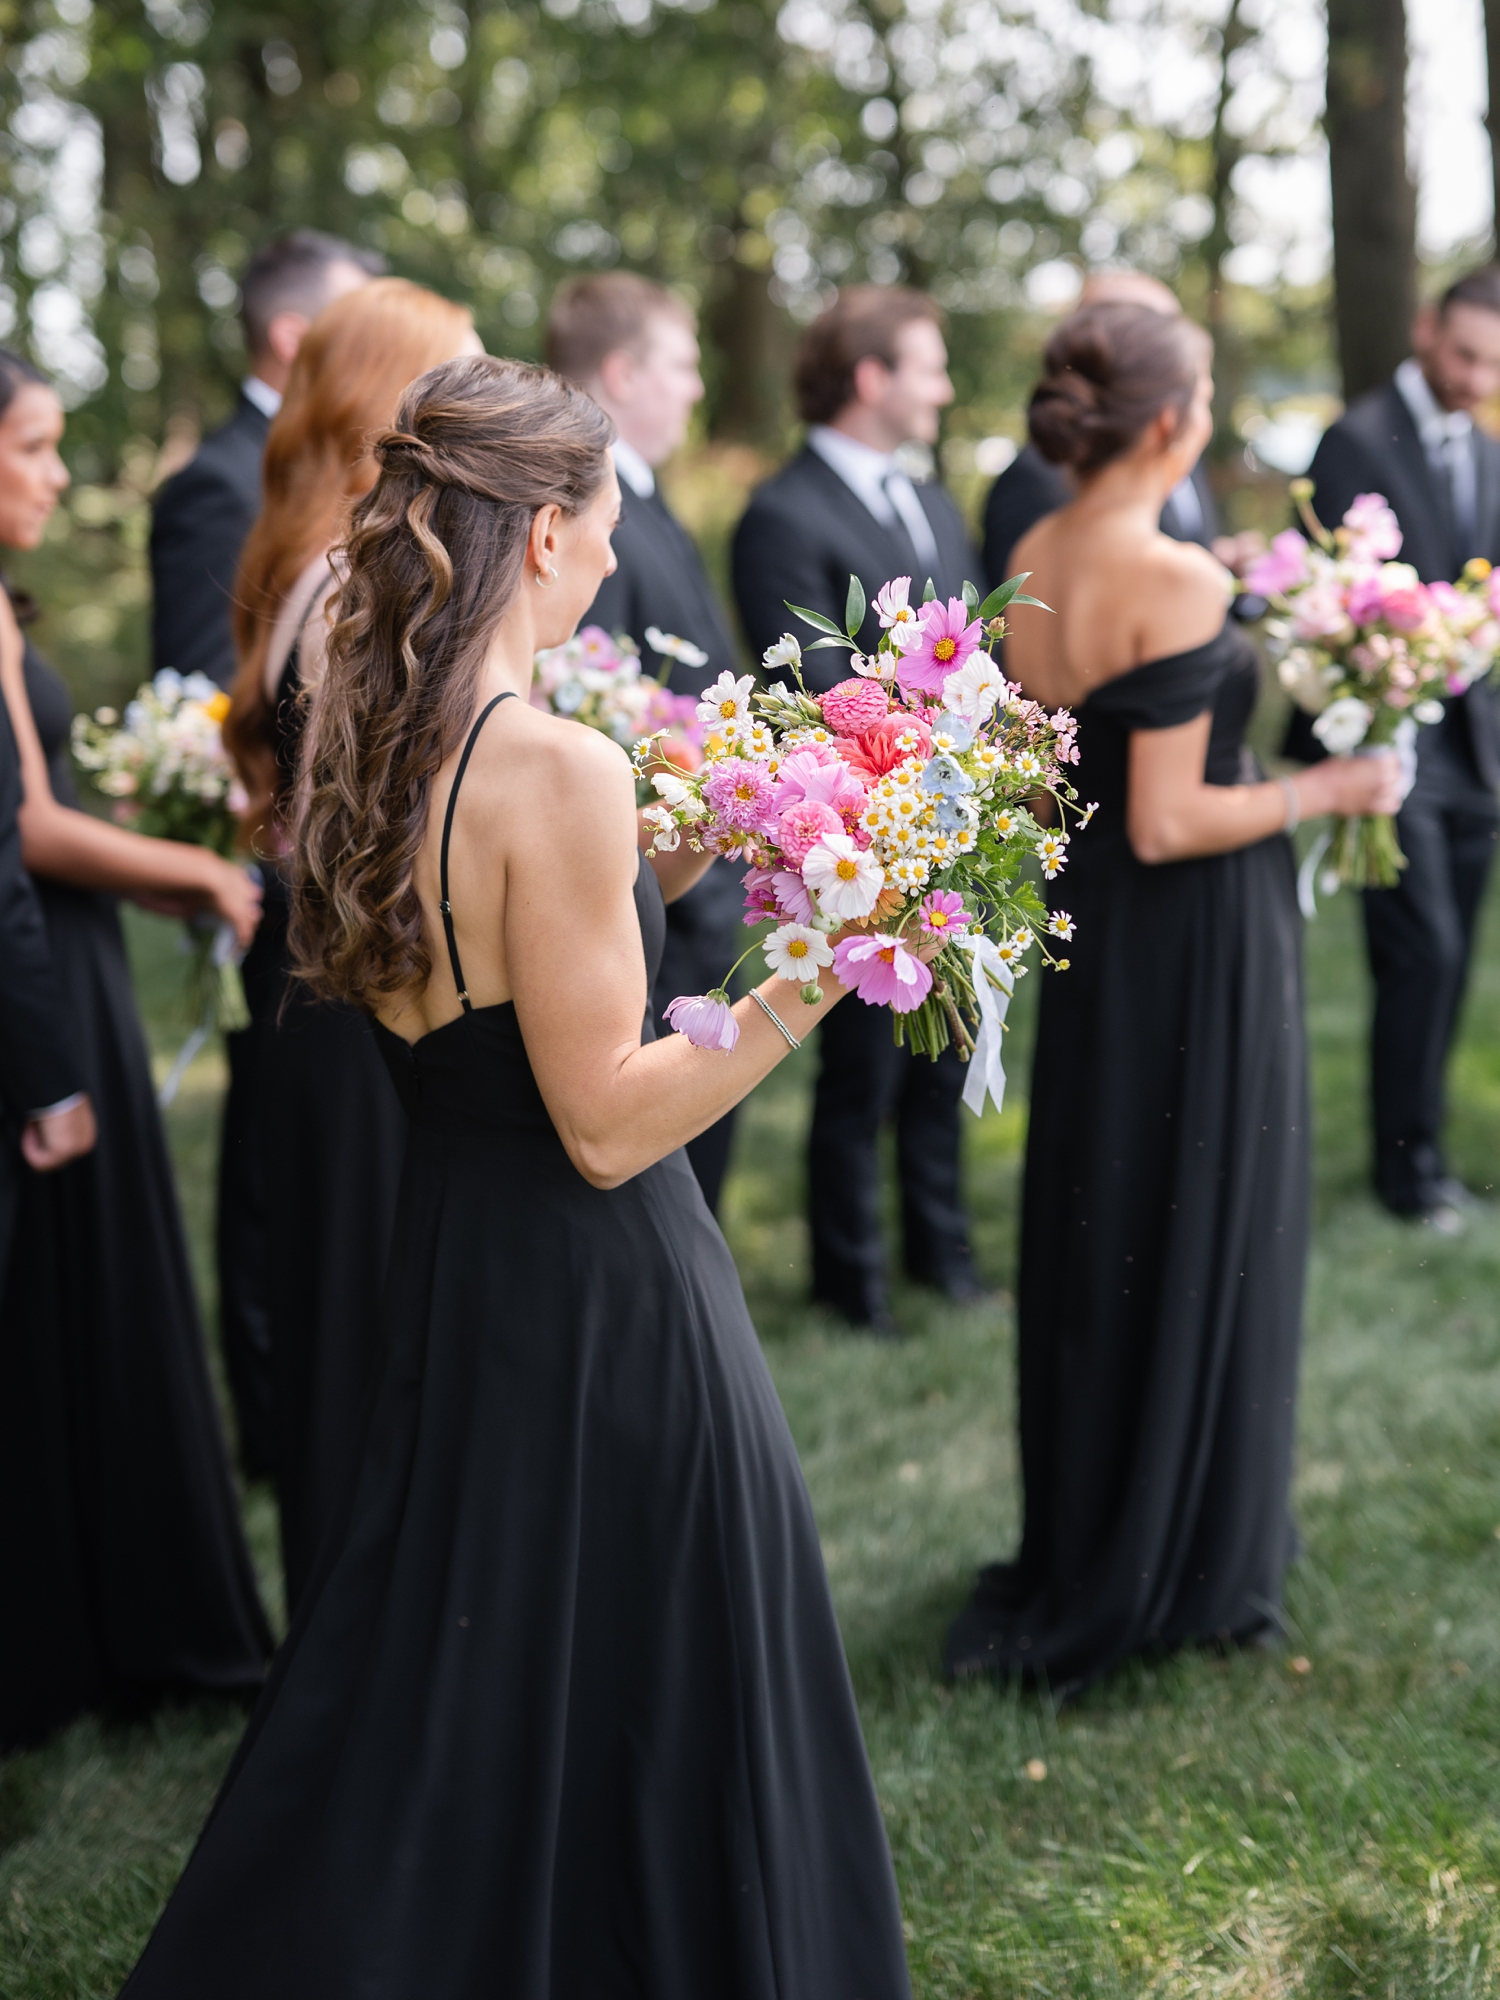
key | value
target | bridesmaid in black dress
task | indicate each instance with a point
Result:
(1166, 1201)
(327, 1123)
(123, 1570)
(566, 1715)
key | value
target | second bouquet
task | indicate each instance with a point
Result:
(886, 827)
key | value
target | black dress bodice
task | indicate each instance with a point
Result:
(52, 711)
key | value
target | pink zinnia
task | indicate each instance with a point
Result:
(878, 750)
(942, 914)
(948, 638)
(855, 706)
(882, 972)
(741, 796)
(803, 825)
(1283, 566)
(705, 1020)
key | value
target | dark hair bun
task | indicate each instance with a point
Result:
(1109, 371)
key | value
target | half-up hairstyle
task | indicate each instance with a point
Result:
(1108, 372)
(433, 559)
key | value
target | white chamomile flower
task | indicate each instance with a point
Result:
(1005, 823)
(787, 652)
(909, 873)
(761, 742)
(796, 951)
(726, 705)
(672, 648)
(973, 691)
(1029, 764)
(964, 839)
(943, 847)
(1051, 851)
(989, 756)
(1061, 925)
(1012, 951)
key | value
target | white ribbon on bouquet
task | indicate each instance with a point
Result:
(986, 1077)
(1404, 743)
(224, 951)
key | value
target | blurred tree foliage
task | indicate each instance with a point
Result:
(752, 153)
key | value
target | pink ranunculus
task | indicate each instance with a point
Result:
(760, 895)
(942, 914)
(802, 825)
(949, 636)
(741, 796)
(1319, 612)
(878, 751)
(1408, 609)
(705, 1019)
(883, 972)
(855, 706)
(1374, 531)
(792, 899)
(1281, 568)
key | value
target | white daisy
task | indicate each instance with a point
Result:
(796, 951)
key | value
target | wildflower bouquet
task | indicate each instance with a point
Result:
(1364, 647)
(164, 768)
(892, 810)
(598, 680)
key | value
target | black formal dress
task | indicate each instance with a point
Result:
(805, 532)
(199, 522)
(1420, 935)
(123, 1569)
(1164, 1228)
(332, 1134)
(1030, 487)
(37, 1065)
(660, 581)
(568, 1715)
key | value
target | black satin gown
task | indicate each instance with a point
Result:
(567, 1717)
(124, 1573)
(331, 1134)
(1164, 1229)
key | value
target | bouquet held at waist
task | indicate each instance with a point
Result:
(895, 811)
(1369, 651)
(164, 769)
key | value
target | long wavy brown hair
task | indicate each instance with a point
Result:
(356, 358)
(433, 559)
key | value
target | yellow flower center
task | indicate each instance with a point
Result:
(797, 948)
(847, 870)
(728, 710)
(937, 920)
(745, 791)
(945, 649)
(217, 706)
(888, 956)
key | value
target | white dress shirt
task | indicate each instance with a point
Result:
(875, 479)
(266, 399)
(633, 469)
(1448, 441)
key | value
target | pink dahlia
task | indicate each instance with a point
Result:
(943, 914)
(882, 972)
(741, 796)
(1281, 568)
(855, 706)
(802, 825)
(705, 1019)
(948, 638)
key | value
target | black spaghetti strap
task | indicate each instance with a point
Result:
(458, 778)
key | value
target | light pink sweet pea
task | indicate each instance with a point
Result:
(1319, 611)
(949, 636)
(1374, 531)
(802, 825)
(1281, 568)
(704, 1019)
(883, 972)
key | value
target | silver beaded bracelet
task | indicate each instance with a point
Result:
(1293, 805)
(774, 1018)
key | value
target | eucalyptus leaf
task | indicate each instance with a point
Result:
(854, 608)
(1002, 595)
(814, 618)
(834, 639)
(971, 598)
(930, 592)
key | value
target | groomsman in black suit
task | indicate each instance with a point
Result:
(45, 1119)
(634, 346)
(199, 522)
(1415, 441)
(1029, 487)
(871, 377)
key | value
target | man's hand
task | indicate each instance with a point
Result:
(50, 1143)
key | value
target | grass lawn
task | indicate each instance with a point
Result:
(1319, 1823)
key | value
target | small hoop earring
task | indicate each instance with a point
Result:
(546, 582)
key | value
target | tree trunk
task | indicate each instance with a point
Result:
(1374, 202)
(1227, 151)
(753, 340)
(1492, 116)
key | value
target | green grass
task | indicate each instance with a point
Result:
(1204, 1826)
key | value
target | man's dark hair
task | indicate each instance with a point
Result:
(1476, 288)
(290, 274)
(600, 314)
(860, 325)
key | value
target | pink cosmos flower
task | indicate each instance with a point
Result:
(741, 796)
(802, 825)
(705, 1019)
(948, 638)
(942, 914)
(792, 899)
(883, 972)
(1374, 531)
(897, 614)
(760, 895)
(597, 648)
(855, 706)
(1281, 568)
(878, 751)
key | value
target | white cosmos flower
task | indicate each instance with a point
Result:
(1343, 725)
(973, 691)
(677, 793)
(796, 951)
(846, 881)
(726, 705)
(897, 614)
(672, 648)
(664, 834)
(787, 652)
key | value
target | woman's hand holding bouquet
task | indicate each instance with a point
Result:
(885, 826)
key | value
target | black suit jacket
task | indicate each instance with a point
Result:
(660, 581)
(1030, 487)
(198, 527)
(802, 537)
(1375, 448)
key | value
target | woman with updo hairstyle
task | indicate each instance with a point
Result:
(309, 1095)
(1165, 1212)
(564, 1712)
